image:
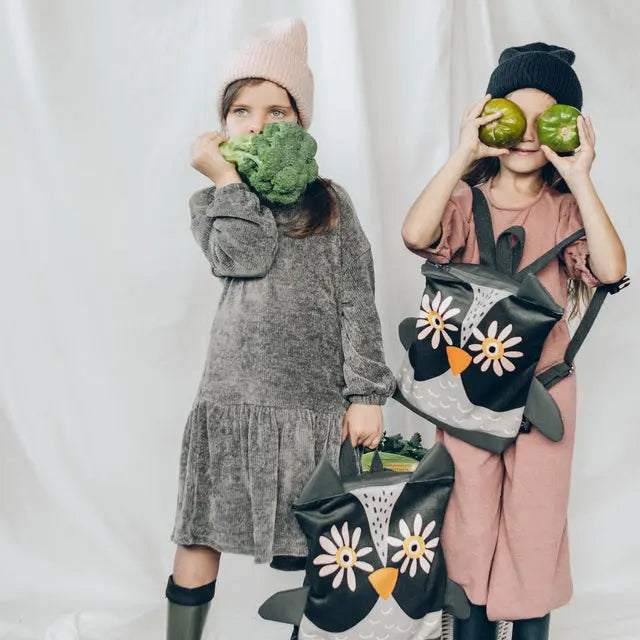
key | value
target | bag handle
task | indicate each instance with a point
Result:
(349, 462)
(484, 228)
(508, 252)
(503, 255)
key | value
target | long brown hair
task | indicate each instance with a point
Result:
(318, 210)
(578, 293)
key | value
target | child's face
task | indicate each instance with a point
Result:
(256, 105)
(526, 156)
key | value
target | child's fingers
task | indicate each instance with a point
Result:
(582, 132)
(372, 441)
(587, 129)
(550, 154)
(477, 108)
(586, 139)
(345, 429)
(375, 437)
(494, 151)
(490, 118)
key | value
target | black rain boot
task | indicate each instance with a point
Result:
(531, 629)
(187, 610)
(476, 627)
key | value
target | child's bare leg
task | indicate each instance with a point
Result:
(195, 566)
(190, 590)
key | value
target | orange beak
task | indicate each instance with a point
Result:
(459, 360)
(384, 581)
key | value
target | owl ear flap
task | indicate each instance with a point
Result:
(323, 483)
(436, 464)
(542, 411)
(285, 606)
(456, 601)
(407, 332)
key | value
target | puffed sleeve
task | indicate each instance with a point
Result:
(456, 222)
(368, 380)
(237, 233)
(575, 256)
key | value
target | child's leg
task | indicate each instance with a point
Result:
(530, 574)
(471, 523)
(190, 590)
(195, 565)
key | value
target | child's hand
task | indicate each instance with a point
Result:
(577, 166)
(363, 424)
(469, 142)
(207, 159)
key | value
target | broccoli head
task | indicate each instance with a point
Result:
(278, 163)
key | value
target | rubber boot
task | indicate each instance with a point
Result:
(476, 627)
(531, 629)
(187, 610)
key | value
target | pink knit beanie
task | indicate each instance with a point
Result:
(276, 52)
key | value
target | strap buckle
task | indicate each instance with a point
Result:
(616, 287)
(525, 425)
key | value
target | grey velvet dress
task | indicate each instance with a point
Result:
(295, 339)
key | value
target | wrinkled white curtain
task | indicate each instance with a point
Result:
(107, 301)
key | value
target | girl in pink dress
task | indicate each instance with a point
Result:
(505, 532)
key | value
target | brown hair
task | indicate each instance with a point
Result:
(578, 293)
(318, 211)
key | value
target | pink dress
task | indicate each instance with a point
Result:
(505, 531)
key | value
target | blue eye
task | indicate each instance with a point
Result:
(277, 113)
(239, 111)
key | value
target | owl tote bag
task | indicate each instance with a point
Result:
(473, 350)
(375, 561)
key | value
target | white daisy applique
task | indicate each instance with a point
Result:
(342, 556)
(415, 549)
(493, 348)
(433, 317)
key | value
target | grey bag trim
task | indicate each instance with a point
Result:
(455, 600)
(542, 411)
(285, 606)
(487, 441)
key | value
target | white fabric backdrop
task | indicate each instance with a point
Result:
(107, 301)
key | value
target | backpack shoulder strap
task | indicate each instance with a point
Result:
(546, 258)
(556, 373)
(484, 228)
(502, 254)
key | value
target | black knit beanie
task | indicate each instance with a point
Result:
(539, 66)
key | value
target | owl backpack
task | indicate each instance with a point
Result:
(473, 350)
(375, 567)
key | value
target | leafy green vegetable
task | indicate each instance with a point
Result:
(278, 163)
(411, 448)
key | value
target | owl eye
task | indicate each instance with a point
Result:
(346, 557)
(492, 348)
(433, 316)
(415, 549)
(342, 556)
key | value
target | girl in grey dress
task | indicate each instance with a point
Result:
(295, 361)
